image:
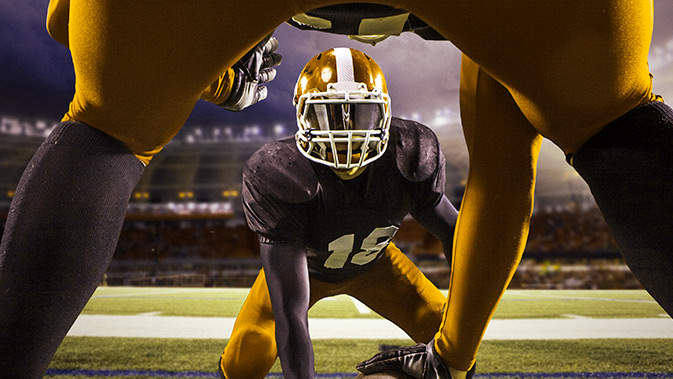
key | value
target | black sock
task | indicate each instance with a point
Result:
(629, 168)
(61, 232)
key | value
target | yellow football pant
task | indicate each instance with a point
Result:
(394, 288)
(561, 69)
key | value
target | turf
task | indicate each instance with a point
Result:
(517, 358)
(223, 302)
(195, 302)
(96, 357)
(584, 303)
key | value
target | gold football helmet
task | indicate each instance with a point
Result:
(343, 109)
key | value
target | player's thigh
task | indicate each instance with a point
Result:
(397, 290)
(141, 65)
(572, 66)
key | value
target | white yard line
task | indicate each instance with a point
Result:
(150, 314)
(361, 307)
(586, 298)
(148, 293)
(553, 329)
(577, 317)
(147, 326)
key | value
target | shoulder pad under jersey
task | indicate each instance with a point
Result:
(279, 170)
(416, 148)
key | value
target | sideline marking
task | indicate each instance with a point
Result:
(576, 317)
(587, 298)
(370, 328)
(160, 292)
(149, 314)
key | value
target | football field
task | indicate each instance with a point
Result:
(133, 332)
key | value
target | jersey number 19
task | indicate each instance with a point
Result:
(371, 247)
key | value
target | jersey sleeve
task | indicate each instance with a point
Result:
(273, 220)
(430, 191)
(420, 160)
(277, 189)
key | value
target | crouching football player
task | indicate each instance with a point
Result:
(326, 205)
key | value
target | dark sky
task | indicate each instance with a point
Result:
(37, 80)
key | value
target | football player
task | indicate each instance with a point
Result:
(572, 71)
(326, 204)
(52, 260)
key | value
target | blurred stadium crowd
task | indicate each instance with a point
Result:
(185, 226)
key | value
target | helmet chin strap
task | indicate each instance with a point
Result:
(348, 174)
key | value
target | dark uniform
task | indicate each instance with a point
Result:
(346, 226)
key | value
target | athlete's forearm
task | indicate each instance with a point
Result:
(294, 346)
(440, 221)
(287, 280)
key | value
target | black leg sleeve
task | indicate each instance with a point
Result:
(61, 232)
(629, 168)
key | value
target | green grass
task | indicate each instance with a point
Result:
(506, 359)
(225, 302)
(585, 303)
(194, 302)
(339, 356)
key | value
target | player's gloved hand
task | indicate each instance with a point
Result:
(420, 362)
(250, 73)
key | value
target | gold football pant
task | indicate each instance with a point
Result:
(561, 69)
(393, 288)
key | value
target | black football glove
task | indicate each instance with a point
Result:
(420, 362)
(250, 73)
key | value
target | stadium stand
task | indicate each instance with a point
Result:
(185, 225)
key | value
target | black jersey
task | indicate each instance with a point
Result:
(344, 224)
